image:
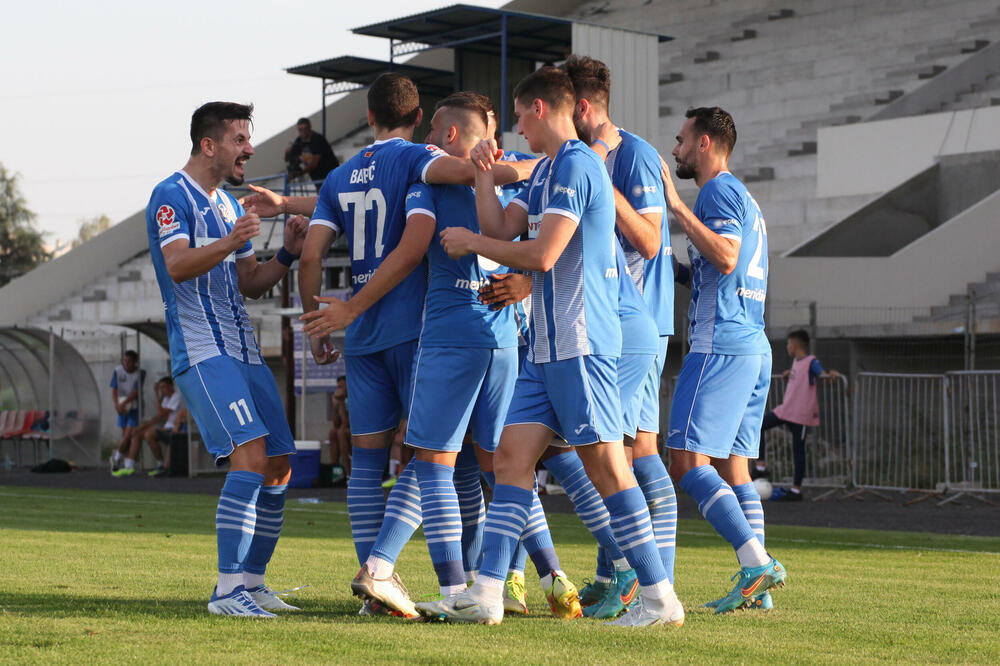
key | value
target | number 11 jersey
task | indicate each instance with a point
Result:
(365, 199)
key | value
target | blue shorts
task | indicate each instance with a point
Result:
(649, 412)
(634, 372)
(233, 403)
(454, 387)
(719, 404)
(128, 419)
(577, 399)
(379, 385)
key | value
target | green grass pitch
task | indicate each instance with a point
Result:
(112, 577)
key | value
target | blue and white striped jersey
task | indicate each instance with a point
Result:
(634, 167)
(365, 198)
(574, 306)
(727, 311)
(205, 315)
(639, 331)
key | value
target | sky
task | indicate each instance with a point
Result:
(97, 96)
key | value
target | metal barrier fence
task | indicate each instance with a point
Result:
(972, 452)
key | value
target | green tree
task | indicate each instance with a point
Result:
(21, 244)
(90, 228)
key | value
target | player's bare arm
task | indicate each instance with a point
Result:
(184, 262)
(505, 289)
(256, 278)
(450, 170)
(317, 243)
(394, 268)
(723, 253)
(495, 221)
(272, 204)
(539, 254)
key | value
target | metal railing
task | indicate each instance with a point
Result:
(971, 452)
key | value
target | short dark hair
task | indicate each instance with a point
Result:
(132, 354)
(550, 84)
(716, 123)
(344, 377)
(801, 335)
(209, 120)
(591, 78)
(467, 101)
(394, 101)
(303, 121)
(167, 379)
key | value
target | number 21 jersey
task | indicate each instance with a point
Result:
(365, 199)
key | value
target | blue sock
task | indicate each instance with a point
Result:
(470, 503)
(568, 470)
(442, 521)
(505, 521)
(749, 500)
(235, 518)
(402, 516)
(656, 486)
(537, 540)
(718, 504)
(605, 567)
(634, 534)
(270, 517)
(365, 499)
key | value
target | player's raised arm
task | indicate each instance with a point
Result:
(721, 251)
(272, 204)
(449, 170)
(317, 244)
(495, 221)
(184, 262)
(538, 254)
(256, 278)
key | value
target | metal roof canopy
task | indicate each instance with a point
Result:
(351, 72)
(483, 30)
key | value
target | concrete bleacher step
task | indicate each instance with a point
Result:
(964, 47)
(707, 56)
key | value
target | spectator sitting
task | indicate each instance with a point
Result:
(310, 155)
(125, 381)
(798, 411)
(166, 418)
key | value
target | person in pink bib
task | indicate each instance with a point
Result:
(798, 411)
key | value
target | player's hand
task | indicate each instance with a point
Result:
(266, 202)
(608, 133)
(669, 190)
(323, 349)
(295, 233)
(832, 376)
(786, 374)
(457, 241)
(505, 289)
(485, 154)
(244, 229)
(336, 316)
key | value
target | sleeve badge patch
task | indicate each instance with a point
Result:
(166, 220)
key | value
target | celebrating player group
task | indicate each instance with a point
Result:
(506, 311)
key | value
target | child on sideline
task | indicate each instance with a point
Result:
(798, 411)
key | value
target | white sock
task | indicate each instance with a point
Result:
(622, 565)
(450, 590)
(470, 576)
(227, 583)
(601, 579)
(393, 467)
(795, 490)
(514, 571)
(655, 596)
(129, 463)
(549, 577)
(488, 589)
(752, 554)
(543, 476)
(379, 569)
(116, 457)
(252, 580)
(761, 468)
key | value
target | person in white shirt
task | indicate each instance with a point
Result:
(170, 404)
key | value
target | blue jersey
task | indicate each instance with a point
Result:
(574, 306)
(365, 199)
(453, 315)
(205, 315)
(634, 167)
(507, 193)
(639, 331)
(727, 311)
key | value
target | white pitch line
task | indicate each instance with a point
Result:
(148, 501)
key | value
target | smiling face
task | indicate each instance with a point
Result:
(529, 122)
(233, 151)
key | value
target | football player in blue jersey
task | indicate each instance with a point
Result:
(200, 245)
(568, 385)
(634, 168)
(722, 388)
(365, 199)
